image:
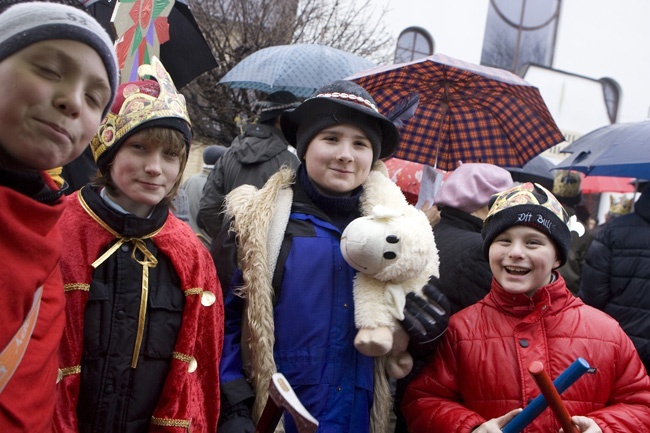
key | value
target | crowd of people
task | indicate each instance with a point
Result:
(123, 312)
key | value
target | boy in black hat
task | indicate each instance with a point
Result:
(292, 298)
(58, 76)
(478, 378)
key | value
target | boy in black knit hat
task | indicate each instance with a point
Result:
(478, 379)
(58, 76)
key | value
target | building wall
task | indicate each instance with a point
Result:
(195, 159)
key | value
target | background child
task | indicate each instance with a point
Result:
(58, 77)
(479, 377)
(144, 311)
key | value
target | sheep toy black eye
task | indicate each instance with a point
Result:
(392, 239)
(389, 255)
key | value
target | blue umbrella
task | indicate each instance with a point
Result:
(620, 149)
(299, 68)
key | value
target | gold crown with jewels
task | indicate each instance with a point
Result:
(139, 107)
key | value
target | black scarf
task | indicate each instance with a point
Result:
(340, 210)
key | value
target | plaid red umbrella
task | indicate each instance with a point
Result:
(467, 112)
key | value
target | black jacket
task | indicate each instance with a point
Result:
(465, 274)
(113, 397)
(251, 159)
(616, 275)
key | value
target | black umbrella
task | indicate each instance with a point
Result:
(539, 169)
(186, 54)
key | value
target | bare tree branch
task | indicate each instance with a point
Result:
(236, 28)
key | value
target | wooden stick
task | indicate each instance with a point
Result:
(270, 417)
(543, 381)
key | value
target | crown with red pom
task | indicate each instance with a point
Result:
(151, 102)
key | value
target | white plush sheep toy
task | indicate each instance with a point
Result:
(394, 253)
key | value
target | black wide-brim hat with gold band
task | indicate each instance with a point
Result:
(341, 102)
(150, 102)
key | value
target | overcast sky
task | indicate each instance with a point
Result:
(596, 38)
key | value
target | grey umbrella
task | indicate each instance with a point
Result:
(298, 68)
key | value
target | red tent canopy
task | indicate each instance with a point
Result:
(599, 184)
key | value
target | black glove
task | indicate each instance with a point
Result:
(236, 401)
(425, 320)
(237, 424)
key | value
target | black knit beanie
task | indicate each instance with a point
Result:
(24, 24)
(338, 103)
(529, 205)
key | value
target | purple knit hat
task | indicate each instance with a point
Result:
(470, 186)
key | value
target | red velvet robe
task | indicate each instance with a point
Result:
(190, 400)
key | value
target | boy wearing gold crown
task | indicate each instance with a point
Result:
(144, 323)
(478, 379)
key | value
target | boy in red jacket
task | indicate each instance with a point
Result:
(58, 76)
(478, 379)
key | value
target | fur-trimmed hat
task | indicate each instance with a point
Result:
(147, 103)
(471, 186)
(566, 187)
(339, 103)
(529, 205)
(275, 104)
(24, 24)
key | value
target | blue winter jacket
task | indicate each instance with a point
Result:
(314, 326)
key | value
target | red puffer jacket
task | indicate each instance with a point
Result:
(480, 370)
